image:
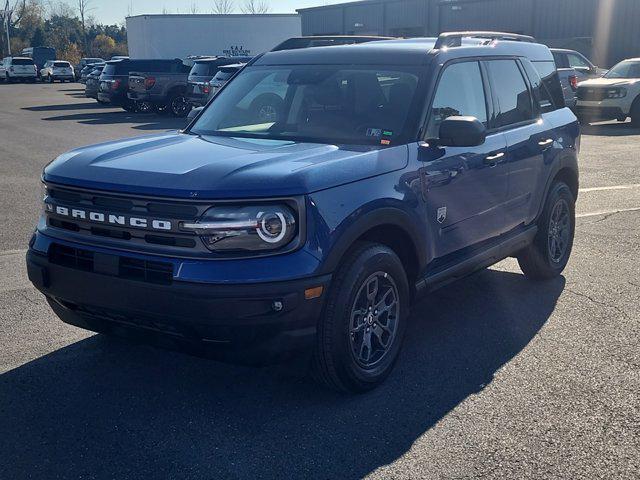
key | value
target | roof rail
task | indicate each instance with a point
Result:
(454, 39)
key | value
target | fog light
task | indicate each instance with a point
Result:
(277, 306)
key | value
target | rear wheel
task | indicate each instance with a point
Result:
(364, 320)
(178, 105)
(549, 253)
(145, 107)
(129, 106)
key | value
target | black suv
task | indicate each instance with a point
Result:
(201, 74)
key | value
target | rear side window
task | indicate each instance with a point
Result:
(459, 92)
(512, 98)
(551, 80)
(560, 59)
(541, 94)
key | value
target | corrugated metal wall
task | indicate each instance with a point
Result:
(607, 30)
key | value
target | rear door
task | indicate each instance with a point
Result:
(465, 187)
(529, 136)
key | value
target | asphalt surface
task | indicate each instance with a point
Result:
(499, 377)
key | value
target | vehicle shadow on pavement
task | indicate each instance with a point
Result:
(65, 106)
(147, 121)
(610, 129)
(105, 408)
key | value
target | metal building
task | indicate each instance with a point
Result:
(605, 30)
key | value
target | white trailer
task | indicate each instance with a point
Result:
(177, 35)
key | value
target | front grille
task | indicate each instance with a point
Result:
(143, 239)
(123, 267)
(591, 94)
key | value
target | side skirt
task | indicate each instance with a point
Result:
(503, 248)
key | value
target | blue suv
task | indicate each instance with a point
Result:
(380, 172)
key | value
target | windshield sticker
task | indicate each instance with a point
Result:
(384, 141)
(374, 132)
(387, 133)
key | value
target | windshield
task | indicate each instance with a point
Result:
(625, 69)
(325, 104)
(61, 64)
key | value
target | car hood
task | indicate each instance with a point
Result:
(609, 82)
(189, 166)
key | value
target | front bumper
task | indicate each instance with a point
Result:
(250, 323)
(603, 110)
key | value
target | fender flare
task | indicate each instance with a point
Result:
(385, 216)
(567, 160)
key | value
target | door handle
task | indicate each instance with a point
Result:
(545, 143)
(492, 159)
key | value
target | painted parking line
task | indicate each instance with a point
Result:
(613, 187)
(607, 212)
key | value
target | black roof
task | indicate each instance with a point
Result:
(413, 51)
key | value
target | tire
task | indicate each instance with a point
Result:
(635, 113)
(340, 355)
(549, 253)
(145, 107)
(178, 105)
(267, 107)
(129, 106)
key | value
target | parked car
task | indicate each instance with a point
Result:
(325, 41)
(57, 70)
(40, 55)
(201, 74)
(114, 81)
(616, 96)
(161, 84)
(582, 66)
(18, 69)
(85, 62)
(389, 169)
(92, 82)
(82, 77)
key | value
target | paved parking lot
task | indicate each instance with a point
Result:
(500, 377)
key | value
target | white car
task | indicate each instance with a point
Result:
(57, 70)
(18, 68)
(616, 96)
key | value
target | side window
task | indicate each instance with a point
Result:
(540, 93)
(576, 61)
(459, 92)
(513, 100)
(560, 59)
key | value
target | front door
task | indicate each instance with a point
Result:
(465, 187)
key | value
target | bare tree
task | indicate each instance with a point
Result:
(194, 7)
(255, 7)
(10, 16)
(223, 7)
(84, 6)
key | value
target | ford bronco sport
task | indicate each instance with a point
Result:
(385, 171)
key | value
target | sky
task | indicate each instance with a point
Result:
(114, 11)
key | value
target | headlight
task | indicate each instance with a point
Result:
(245, 228)
(616, 93)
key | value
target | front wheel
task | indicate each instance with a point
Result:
(549, 253)
(364, 320)
(635, 113)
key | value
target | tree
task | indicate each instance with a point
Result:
(83, 9)
(194, 8)
(103, 46)
(255, 7)
(37, 39)
(223, 7)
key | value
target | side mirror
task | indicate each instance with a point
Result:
(194, 113)
(462, 132)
